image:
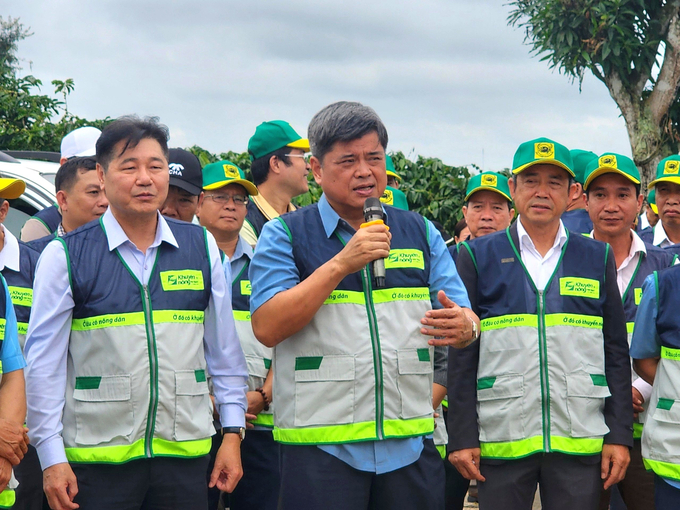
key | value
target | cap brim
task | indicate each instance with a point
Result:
(186, 186)
(674, 180)
(391, 173)
(655, 209)
(488, 188)
(249, 186)
(302, 143)
(545, 162)
(608, 170)
(11, 188)
(88, 153)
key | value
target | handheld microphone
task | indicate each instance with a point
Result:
(373, 211)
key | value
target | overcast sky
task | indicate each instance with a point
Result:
(449, 78)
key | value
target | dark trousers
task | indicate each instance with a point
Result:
(312, 479)
(567, 482)
(146, 484)
(259, 487)
(666, 496)
(637, 488)
(456, 487)
(29, 494)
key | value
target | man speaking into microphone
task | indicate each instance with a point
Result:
(353, 361)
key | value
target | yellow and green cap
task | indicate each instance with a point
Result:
(611, 163)
(542, 151)
(580, 160)
(668, 170)
(272, 136)
(651, 200)
(11, 188)
(389, 165)
(395, 198)
(491, 181)
(222, 173)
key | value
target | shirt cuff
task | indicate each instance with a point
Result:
(51, 452)
(232, 415)
(644, 388)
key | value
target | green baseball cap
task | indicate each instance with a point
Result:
(668, 170)
(389, 165)
(542, 151)
(491, 181)
(580, 159)
(274, 135)
(222, 173)
(395, 198)
(651, 200)
(611, 163)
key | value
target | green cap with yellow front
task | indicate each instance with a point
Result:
(651, 200)
(542, 151)
(272, 136)
(611, 163)
(389, 165)
(580, 160)
(222, 173)
(11, 188)
(488, 181)
(668, 170)
(395, 198)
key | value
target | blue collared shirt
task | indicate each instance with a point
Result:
(50, 325)
(273, 270)
(237, 262)
(11, 358)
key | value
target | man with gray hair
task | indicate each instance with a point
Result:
(353, 376)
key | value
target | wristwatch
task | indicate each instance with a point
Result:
(475, 331)
(235, 430)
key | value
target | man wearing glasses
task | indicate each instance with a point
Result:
(222, 210)
(279, 169)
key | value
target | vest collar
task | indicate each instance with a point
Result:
(115, 235)
(331, 219)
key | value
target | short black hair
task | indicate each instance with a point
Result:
(129, 129)
(460, 226)
(68, 172)
(637, 190)
(259, 168)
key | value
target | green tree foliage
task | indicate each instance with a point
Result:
(621, 42)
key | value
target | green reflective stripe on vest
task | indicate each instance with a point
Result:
(637, 430)
(345, 296)
(136, 319)
(178, 316)
(264, 420)
(7, 498)
(401, 294)
(125, 453)
(22, 328)
(3, 322)
(671, 354)
(577, 446)
(573, 320)
(241, 315)
(406, 428)
(442, 450)
(21, 296)
(663, 469)
(509, 321)
(529, 446)
(629, 327)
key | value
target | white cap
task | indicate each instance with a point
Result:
(80, 142)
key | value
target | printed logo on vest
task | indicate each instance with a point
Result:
(544, 150)
(405, 259)
(580, 287)
(490, 180)
(638, 296)
(189, 279)
(387, 197)
(245, 287)
(21, 296)
(671, 167)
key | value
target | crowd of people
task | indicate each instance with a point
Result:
(182, 337)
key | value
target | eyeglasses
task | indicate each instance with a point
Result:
(223, 199)
(304, 156)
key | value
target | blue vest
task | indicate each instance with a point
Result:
(40, 244)
(20, 285)
(255, 217)
(50, 217)
(577, 221)
(647, 235)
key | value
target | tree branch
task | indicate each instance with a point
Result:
(666, 87)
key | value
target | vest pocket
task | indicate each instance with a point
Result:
(257, 370)
(324, 379)
(500, 407)
(193, 411)
(414, 382)
(103, 409)
(585, 403)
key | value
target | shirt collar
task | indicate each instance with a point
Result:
(116, 236)
(525, 239)
(660, 237)
(9, 255)
(266, 209)
(331, 219)
(637, 246)
(243, 249)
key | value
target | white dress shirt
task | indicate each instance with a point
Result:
(660, 237)
(9, 255)
(50, 325)
(540, 268)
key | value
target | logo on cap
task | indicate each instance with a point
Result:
(231, 172)
(543, 150)
(671, 167)
(608, 161)
(176, 169)
(489, 180)
(387, 197)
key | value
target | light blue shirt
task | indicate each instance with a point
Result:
(49, 329)
(273, 270)
(238, 261)
(646, 342)
(11, 358)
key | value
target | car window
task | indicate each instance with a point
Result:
(19, 212)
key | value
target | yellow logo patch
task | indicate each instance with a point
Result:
(387, 197)
(246, 289)
(189, 279)
(231, 172)
(402, 259)
(544, 150)
(638, 296)
(21, 296)
(580, 287)
(671, 167)
(489, 180)
(608, 161)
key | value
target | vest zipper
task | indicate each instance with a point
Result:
(377, 356)
(153, 369)
(545, 386)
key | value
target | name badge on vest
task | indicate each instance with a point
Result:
(580, 287)
(405, 259)
(189, 279)
(246, 289)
